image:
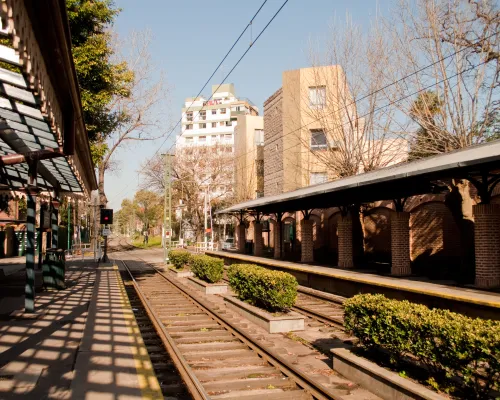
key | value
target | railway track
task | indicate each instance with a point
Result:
(213, 355)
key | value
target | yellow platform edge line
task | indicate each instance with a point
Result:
(465, 299)
(148, 382)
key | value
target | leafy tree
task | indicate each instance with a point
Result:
(149, 207)
(428, 137)
(100, 79)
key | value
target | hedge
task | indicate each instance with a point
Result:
(271, 290)
(449, 344)
(209, 269)
(179, 258)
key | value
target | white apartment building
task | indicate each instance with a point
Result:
(212, 122)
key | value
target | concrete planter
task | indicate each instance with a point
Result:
(292, 321)
(386, 384)
(182, 273)
(208, 288)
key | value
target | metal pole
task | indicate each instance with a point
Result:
(29, 300)
(167, 206)
(69, 225)
(205, 213)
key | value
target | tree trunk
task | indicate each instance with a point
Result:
(358, 250)
(103, 201)
(459, 201)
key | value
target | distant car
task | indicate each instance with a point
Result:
(228, 244)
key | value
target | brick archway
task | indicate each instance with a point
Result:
(332, 238)
(434, 240)
(377, 234)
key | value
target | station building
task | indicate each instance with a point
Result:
(402, 227)
(44, 149)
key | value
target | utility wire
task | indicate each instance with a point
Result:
(211, 76)
(378, 108)
(205, 85)
(375, 92)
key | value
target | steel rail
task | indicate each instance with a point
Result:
(337, 322)
(315, 389)
(193, 385)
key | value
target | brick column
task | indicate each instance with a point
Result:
(258, 241)
(240, 231)
(487, 245)
(277, 240)
(400, 243)
(345, 242)
(307, 244)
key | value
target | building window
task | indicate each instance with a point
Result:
(189, 116)
(214, 138)
(228, 137)
(214, 112)
(317, 96)
(238, 108)
(221, 123)
(214, 124)
(190, 126)
(259, 137)
(318, 139)
(202, 139)
(229, 123)
(203, 115)
(189, 139)
(222, 110)
(202, 126)
(317, 177)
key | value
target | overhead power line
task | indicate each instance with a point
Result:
(377, 91)
(212, 75)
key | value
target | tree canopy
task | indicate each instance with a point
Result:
(99, 78)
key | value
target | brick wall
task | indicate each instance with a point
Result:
(400, 244)
(258, 241)
(434, 239)
(345, 242)
(273, 148)
(487, 245)
(377, 234)
(307, 244)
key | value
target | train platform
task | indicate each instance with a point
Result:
(82, 342)
(466, 300)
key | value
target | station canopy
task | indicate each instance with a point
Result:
(395, 182)
(25, 132)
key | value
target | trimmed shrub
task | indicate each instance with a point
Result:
(209, 269)
(179, 258)
(271, 290)
(449, 344)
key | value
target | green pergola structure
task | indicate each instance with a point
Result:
(43, 142)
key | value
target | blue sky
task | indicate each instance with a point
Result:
(191, 37)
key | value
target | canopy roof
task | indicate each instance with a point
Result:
(40, 108)
(398, 181)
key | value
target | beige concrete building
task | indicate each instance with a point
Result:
(313, 132)
(249, 157)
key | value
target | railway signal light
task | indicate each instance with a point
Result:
(106, 216)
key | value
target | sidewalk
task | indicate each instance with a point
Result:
(82, 343)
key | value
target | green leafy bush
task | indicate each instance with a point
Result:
(449, 344)
(209, 269)
(179, 258)
(271, 290)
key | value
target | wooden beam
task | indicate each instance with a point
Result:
(45, 154)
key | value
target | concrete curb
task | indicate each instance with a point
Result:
(291, 322)
(184, 273)
(208, 288)
(386, 384)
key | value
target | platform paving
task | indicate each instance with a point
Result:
(81, 343)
